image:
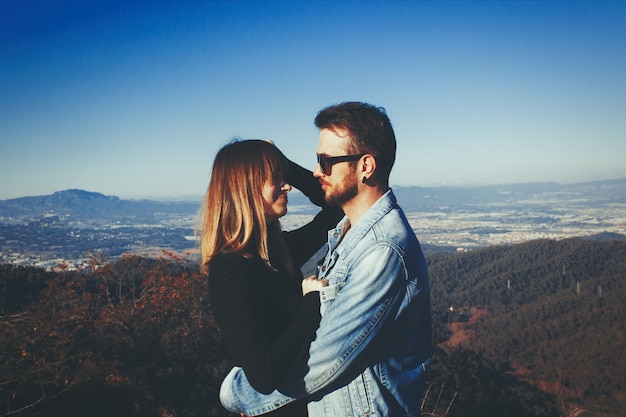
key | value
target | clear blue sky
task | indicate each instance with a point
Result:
(135, 98)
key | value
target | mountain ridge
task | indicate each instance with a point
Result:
(530, 186)
(86, 205)
(409, 197)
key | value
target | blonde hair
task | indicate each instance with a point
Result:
(232, 214)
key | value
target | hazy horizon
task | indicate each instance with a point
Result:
(198, 197)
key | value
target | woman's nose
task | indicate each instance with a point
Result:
(285, 186)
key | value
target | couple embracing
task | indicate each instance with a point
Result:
(354, 337)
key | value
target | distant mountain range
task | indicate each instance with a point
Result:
(91, 207)
(593, 193)
(84, 205)
(68, 224)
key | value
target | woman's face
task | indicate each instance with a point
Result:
(274, 194)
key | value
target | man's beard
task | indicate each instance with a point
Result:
(343, 192)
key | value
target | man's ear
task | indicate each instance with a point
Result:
(368, 166)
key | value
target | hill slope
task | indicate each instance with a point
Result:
(553, 310)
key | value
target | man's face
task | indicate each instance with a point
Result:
(339, 182)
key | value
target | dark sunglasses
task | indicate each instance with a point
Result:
(326, 162)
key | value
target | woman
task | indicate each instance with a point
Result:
(267, 313)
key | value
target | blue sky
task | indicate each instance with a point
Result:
(135, 98)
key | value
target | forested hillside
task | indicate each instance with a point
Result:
(552, 311)
(528, 330)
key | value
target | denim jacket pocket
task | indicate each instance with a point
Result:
(327, 296)
(361, 396)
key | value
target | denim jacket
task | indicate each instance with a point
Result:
(373, 346)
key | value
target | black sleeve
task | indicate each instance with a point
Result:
(236, 302)
(308, 239)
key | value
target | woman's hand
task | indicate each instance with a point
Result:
(310, 284)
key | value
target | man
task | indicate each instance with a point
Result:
(374, 341)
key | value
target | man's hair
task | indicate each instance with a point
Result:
(232, 214)
(369, 131)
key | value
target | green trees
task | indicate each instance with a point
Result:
(547, 320)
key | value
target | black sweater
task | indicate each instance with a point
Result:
(261, 312)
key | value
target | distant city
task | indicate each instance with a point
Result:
(463, 229)
(66, 229)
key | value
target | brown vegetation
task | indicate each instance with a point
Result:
(136, 337)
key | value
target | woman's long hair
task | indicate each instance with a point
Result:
(233, 210)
